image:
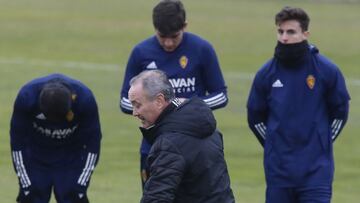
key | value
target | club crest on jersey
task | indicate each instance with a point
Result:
(70, 116)
(310, 81)
(183, 61)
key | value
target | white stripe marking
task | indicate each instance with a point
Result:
(337, 128)
(214, 97)
(20, 168)
(218, 102)
(261, 128)
(125, 103)
(89, 167)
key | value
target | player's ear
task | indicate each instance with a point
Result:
(185, 25)
(306, 34)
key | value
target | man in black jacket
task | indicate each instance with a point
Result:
(186, 158)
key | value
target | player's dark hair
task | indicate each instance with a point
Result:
(169, 16)
(155, 82)
(290, 13)
(55, 100)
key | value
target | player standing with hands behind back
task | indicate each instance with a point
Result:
(297, 106)
(189, 61)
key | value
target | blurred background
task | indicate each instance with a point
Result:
(91, 41)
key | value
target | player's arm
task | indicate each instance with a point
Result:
(132, 69)
(213, 79)
(19, 126)
(90, 133)
(338, 102)
(257, 110)
(167, 166)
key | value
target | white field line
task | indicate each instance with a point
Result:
(114, 67)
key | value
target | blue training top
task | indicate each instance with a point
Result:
(193, 70)
(296, 113)
(37, 141)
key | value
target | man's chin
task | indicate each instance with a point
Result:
(169, 50)
(144, 125)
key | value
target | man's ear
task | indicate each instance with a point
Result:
(160, 101)
(185, 25)
(306, 34)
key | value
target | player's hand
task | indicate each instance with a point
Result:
(26, 195)
(79, 197)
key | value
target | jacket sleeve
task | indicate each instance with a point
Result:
(257, 109)
(167, 167)
(213, 78)
(90, 133)
(132, 69)
(338, 104)
(19, 126)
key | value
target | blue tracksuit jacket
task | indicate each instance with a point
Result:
(296, 113)
(36, 141)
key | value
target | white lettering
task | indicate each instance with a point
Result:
(55, 133)
(183, 85)
(191, 82)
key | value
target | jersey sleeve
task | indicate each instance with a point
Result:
(213, 79)
(19, 137)
(257, 108)
(132, 69)
(338, 102)
(90, 132)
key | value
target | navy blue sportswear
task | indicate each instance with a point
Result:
(49, 154)
(296, 113)
(192, 68)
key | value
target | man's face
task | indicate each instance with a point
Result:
(170, 42)
(144, 109)
(290, 32)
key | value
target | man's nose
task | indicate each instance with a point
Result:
(284, 38)
(168, 42)
(135, 113)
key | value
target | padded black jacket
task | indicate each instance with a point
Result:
(186, 159)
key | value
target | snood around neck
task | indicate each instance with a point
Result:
(291, 53)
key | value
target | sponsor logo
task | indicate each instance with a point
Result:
(277, 83)
(183, 61)
(310, 81)
(55, 133)
(183, 85)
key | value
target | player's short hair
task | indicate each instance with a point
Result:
(290, 13)
(169, 16)
(153, 83)
(55, 100)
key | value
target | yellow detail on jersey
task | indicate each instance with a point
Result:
(183, 62)
(310, 81)
(70, 116)
(73, 97)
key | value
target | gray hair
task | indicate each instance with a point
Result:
(154, 82)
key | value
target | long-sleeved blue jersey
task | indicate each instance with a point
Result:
(37, 141)
(192, 68)
(296, 113)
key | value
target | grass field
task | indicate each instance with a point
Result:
(91, 40)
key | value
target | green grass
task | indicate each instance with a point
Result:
(91, 40)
